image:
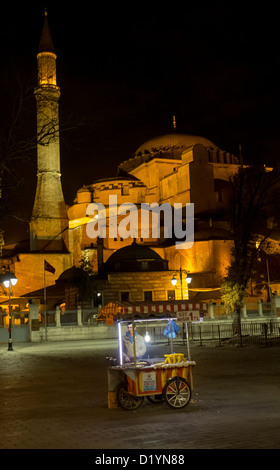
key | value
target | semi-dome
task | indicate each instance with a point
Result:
(135, 257)
(170, 141)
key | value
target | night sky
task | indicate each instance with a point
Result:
(125, 68)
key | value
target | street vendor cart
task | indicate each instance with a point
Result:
(167, 378)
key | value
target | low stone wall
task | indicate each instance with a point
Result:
(70, 333)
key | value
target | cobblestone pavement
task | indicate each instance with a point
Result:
(54, 396)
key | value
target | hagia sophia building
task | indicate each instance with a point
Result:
(173, 168)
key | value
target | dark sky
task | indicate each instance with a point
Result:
(126, 68)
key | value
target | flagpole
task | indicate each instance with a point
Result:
(45, 301)
(51, 269)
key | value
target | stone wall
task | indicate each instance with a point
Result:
(76, 333)
(136, 283)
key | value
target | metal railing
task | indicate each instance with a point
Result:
(245, 333)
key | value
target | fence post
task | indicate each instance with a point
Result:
(79, 316)
(219, 335)
(192, 335)
(211, 310)
(260, 308)
(200, 336)
(240, 334)
(33, 318)
(265, 333)
(274, 298)
(57, 317)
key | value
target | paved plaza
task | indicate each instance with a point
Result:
(54, 396)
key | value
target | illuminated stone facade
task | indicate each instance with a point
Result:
(174, 168)
(169, 169)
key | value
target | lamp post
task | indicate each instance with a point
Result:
(174, 282)
(10, 280)
(188, 280)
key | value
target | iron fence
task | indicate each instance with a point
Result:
(245, 333)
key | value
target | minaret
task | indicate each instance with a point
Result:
(49, 220)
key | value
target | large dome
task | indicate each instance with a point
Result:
(169, 146)
(176, 141)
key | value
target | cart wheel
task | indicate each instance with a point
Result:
(177, 392)
(155, 399)
(127, 401)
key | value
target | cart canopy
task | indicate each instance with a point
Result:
(125, 310)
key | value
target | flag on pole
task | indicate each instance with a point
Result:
(49, 267)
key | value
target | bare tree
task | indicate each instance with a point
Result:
(255, 201)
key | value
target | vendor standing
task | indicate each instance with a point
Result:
(128, 350)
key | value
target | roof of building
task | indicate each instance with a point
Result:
(169, 146)
(173, 141)
(134, 252)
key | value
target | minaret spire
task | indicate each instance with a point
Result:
(46, 42)
(49, 217)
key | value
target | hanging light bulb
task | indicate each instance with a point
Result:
(174, 280)
(147, 337)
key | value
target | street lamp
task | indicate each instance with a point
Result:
(188, 280)
(10, 280)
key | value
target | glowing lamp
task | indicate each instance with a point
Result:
(11, 278)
